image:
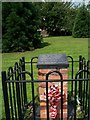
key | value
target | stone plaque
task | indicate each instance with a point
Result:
(52, 61)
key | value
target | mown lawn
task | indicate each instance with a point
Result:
(67, 45)
(59, 45)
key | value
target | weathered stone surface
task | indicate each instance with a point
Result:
(51, 61)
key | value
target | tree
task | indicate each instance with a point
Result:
(57, 17)
(20, 27)
(80, 28)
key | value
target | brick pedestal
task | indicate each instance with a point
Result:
(47, 63)
(42, 87)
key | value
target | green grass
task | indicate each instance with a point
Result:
(52, 45)
(67, 45)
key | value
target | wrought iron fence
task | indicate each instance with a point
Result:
(20, 86)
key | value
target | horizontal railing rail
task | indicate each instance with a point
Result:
(37, 81)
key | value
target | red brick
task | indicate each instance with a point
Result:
(42, 76)
(64, 71)
(41, 91)
(42, 104)
(65, 115)
(65, 110)
(43, 116)
(65, 105)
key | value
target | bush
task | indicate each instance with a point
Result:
(80, 29)
(20, 25)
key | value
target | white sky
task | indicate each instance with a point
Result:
(86, 1)
(77, 1)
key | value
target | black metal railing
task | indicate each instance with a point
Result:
(19, 85)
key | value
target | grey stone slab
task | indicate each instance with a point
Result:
(51, 61)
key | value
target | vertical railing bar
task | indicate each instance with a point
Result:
(86, 104)
(24, 84)
(47, 101)
(18, 99)
(15, 70)
(88, 64)
(34, 116)
(80, 76)
(72, 66)
(14, 98)
(10, 93)
(47, 105)
(20, 85)
(83, 82)
(14, 102)
(89, 106)
(75, 100)
(86, 97)
(84, 86)
(5, 95)
(72, 75)
(72, 72)
(61, 100)
(21, 92)
(32, 65)
(33, 86)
